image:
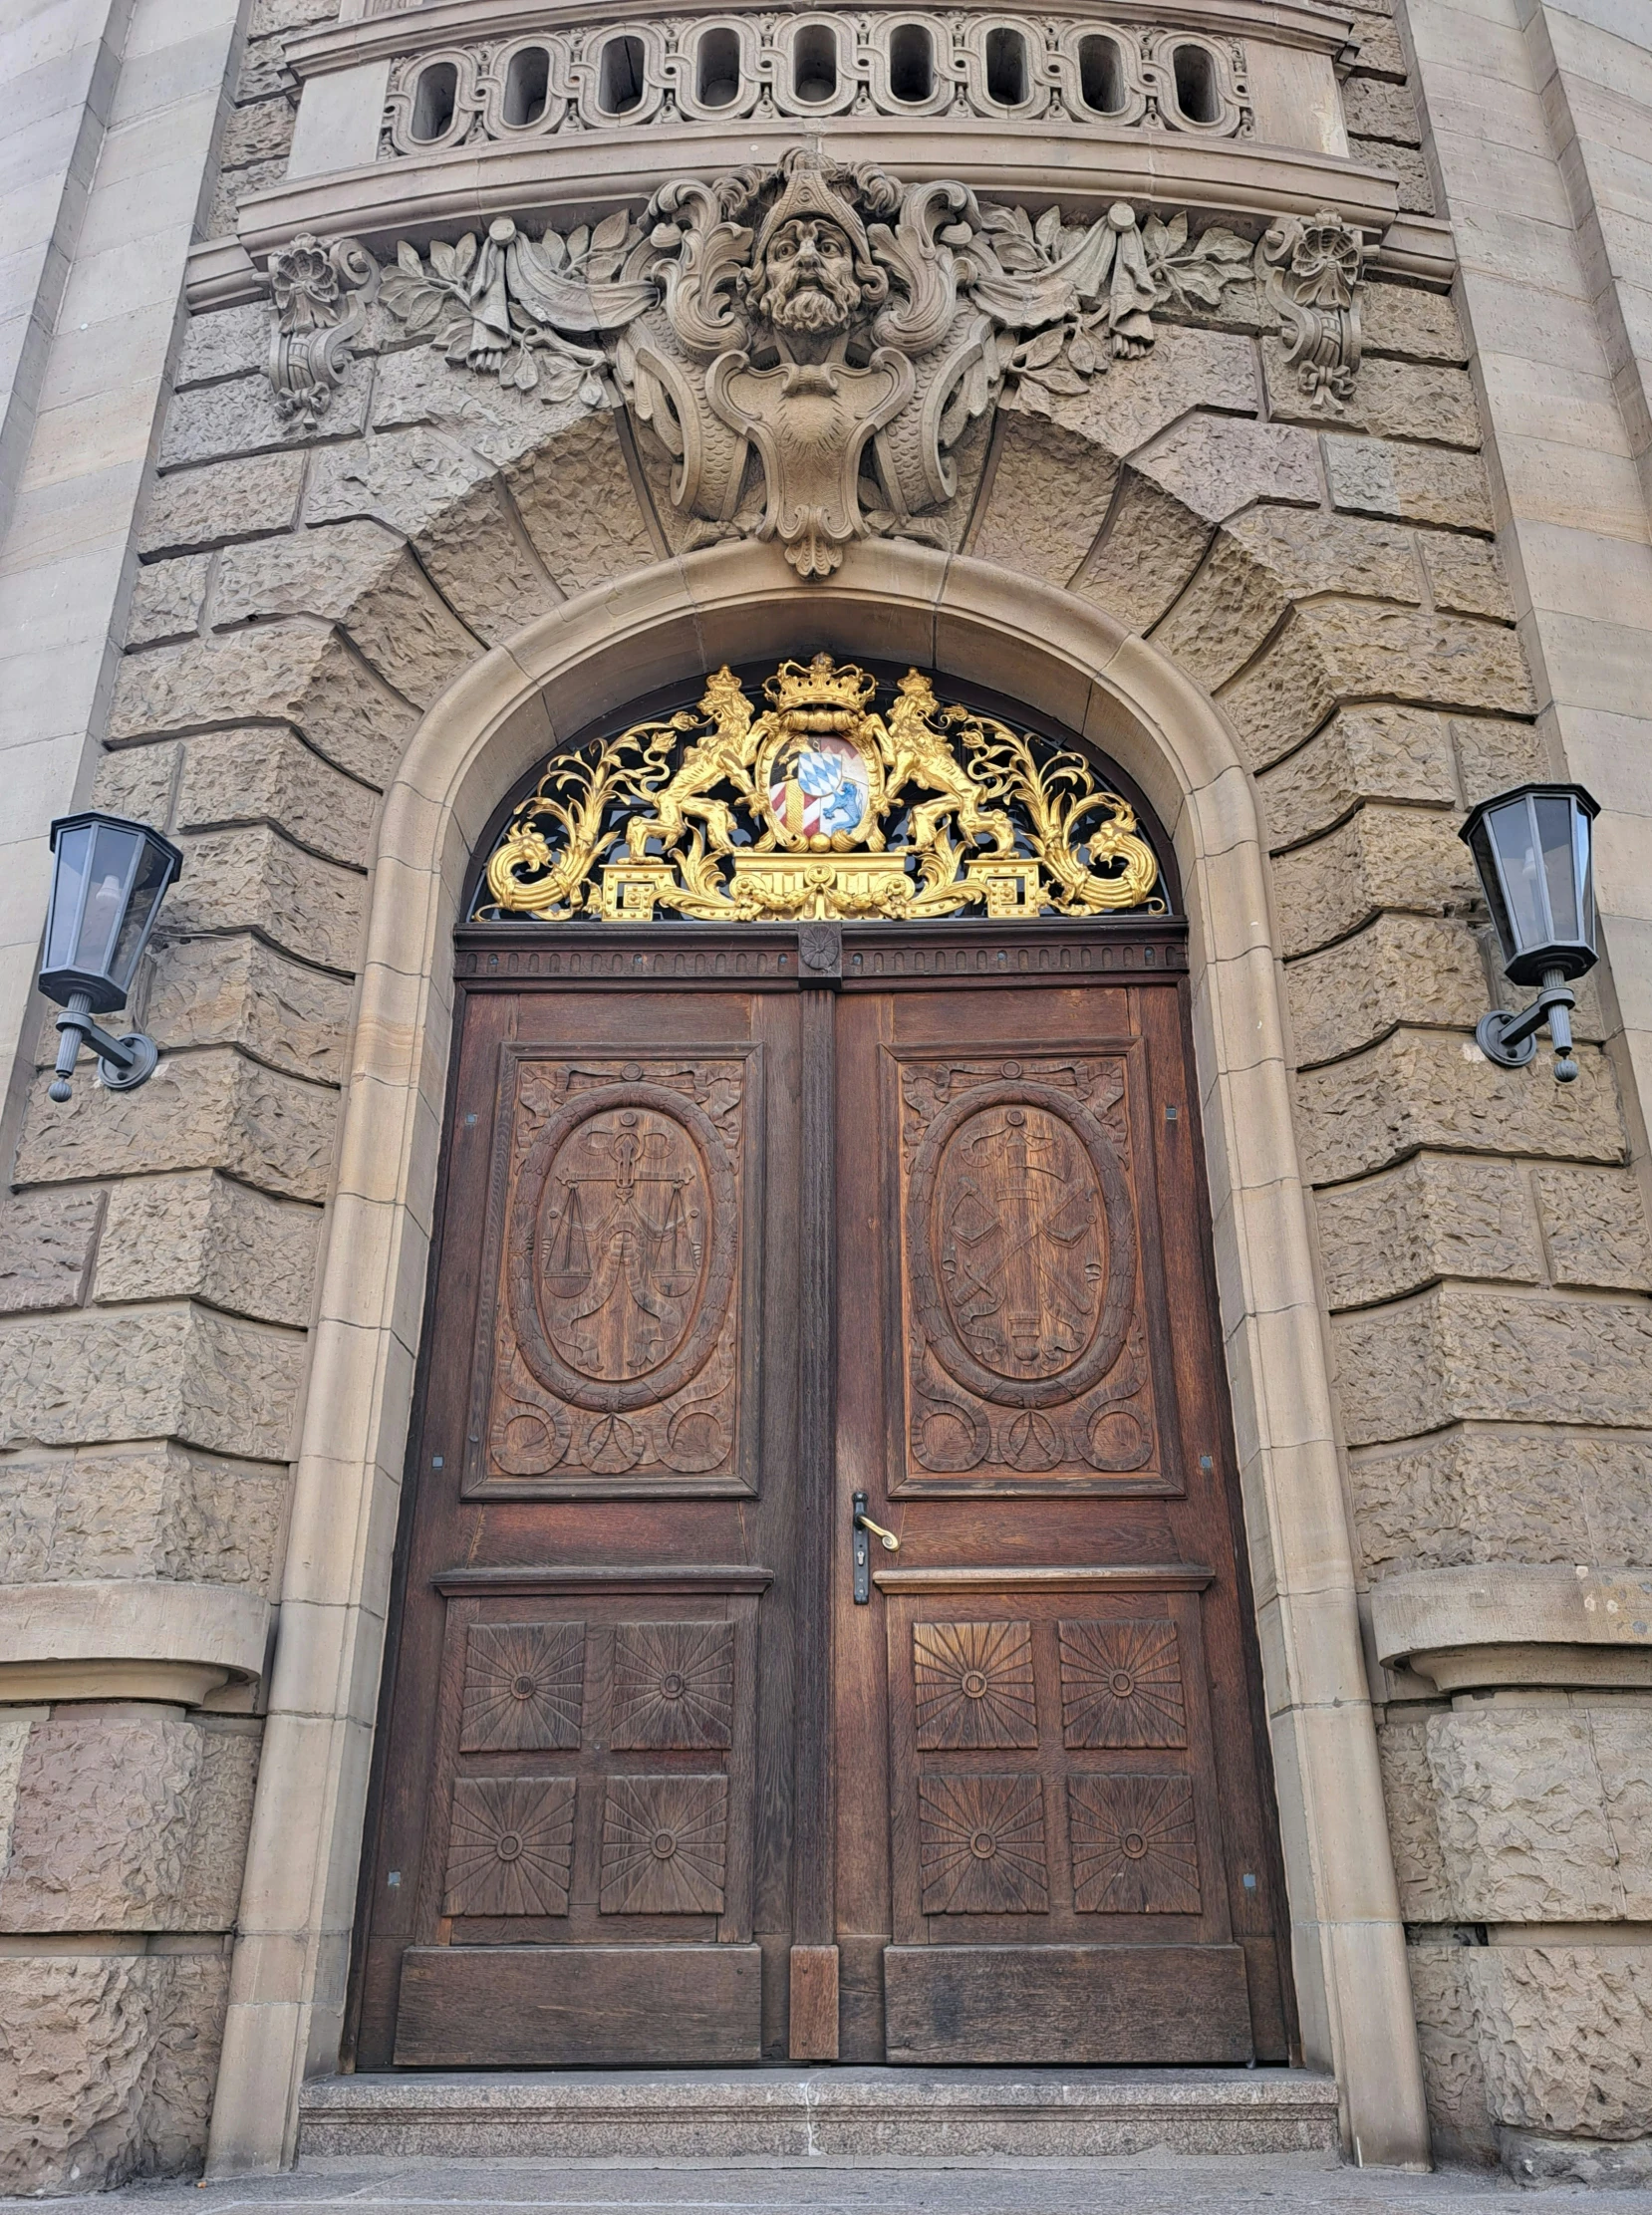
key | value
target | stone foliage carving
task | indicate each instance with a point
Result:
(1312, 269)
(614, 77)
(320, 295)
(809, 342)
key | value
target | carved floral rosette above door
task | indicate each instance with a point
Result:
(616, 1336)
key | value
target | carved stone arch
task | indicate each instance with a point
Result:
(1067, 657)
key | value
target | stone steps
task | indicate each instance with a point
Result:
(811, 2113)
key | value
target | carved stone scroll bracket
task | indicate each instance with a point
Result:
(321, 294)
(1311, 268)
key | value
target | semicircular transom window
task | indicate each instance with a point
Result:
(820, 792)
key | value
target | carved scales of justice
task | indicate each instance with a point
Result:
(819, 807)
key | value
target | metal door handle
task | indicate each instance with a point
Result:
(861, 1524)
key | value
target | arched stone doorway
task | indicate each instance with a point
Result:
(856, 1207)
(1064, 660)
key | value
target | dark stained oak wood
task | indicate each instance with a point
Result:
(728, 1230)
(601, 2008)
(1085, 2006)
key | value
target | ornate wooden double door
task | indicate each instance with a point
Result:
(746, 1233)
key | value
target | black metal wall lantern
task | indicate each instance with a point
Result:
(1532, 848)
(109, 878)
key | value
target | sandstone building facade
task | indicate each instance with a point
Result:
(1252, 402)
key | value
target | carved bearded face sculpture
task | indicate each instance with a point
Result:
(807, 285)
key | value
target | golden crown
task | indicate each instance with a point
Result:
(822, 685)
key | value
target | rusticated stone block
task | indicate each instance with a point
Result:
(1049, 497)
(1502, 1494)
(271, 775)
(203, 1237)
(1456, 1353)
(159, 1371)
(1380, 52)
(1374, 108)
(1216, 464)
(1454, 2083)
(1408, 859)
(1263, 561)
(1466, 576)
(1422, 1089)
(576, 500)
(1401, 319)
(138, 782)
(1521, 1816)
(1151, 547)
(212, 1110)
(225, 501)
(167, 600)
(229, 342)
(239, 992)
(1493, 754)
(1409, 1796)
(1417, 196)
(256, 880)
(1437, 1215)
(1401, 970)
(262, 130)
(362, 576)
(46, 1242)
(286, 673)
(1416, 484)
(139, 1512)
(107, 2067)
(210, 423)
(232, 190)
(419, 385)
(1566, 2037)
(129, 1818)
(1186, 368)
(1595, 1227)
(1413, 400)
(427, 483)
(1621, 1738)
(1364, 753)
(1332, 650)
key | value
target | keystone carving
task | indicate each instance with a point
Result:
(809, 342)
(1310, 269)
(320, 294)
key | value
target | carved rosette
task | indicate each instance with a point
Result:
(673, 1685)
(665, 1846)
(1312, 269)
(1121, 1684)
(1133, 1845)
(511, 1847)
(524, 1687)
(982, 1845)
(320, 293)
(974, 1684)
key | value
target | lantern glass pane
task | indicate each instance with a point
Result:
(154, 874)
(1557, 824)
(1515, 839)
(68, 885)
(1582, 832)
(114, 853)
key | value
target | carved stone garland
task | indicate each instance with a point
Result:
(810, 342)
(819, 807)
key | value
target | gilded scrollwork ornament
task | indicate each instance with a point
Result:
(819, 805)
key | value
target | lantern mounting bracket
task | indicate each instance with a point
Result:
(122, 1063)
(1511, 1040)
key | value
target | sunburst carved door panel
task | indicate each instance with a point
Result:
(621, 1276)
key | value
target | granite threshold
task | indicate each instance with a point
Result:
(815, 2113)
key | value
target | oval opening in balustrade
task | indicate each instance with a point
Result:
(1196, 89)
(1101, 75)
(620, 76)
(717, 68)
(527, 86)
(435, 97)
(815, 64)
(1007, 71)
(911, 62)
